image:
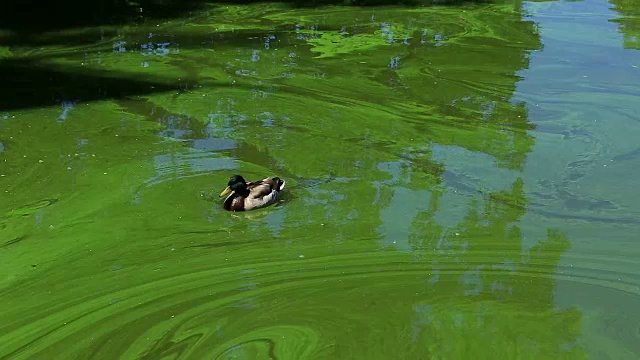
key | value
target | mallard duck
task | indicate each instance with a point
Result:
(244, 195)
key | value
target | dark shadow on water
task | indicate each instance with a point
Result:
(27, 17)
(26, 84)
(31, 82)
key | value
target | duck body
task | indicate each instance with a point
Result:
(243, 196)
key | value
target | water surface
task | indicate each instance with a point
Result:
(460, 184)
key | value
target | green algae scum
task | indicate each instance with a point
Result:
(461, 183)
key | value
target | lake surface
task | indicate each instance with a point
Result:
(461, 184)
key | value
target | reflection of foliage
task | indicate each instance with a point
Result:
(385, 85)
(506, 286)
(629, 21)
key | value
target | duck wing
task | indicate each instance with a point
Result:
(264, 187)
(263, 192)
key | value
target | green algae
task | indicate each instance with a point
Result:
(414, 223)
(629, 21)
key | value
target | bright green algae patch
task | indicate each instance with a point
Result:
(114, 244)
(629, 22)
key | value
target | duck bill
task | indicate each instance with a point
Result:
(225, 192)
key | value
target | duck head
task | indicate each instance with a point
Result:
(236, 184)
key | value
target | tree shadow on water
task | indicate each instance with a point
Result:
(35, 16)
(26, 84)
(31, 82)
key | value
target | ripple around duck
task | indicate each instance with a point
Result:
(189, 164)
(227, 310)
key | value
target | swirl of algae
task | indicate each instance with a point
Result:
(275, 342)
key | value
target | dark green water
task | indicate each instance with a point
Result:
(461, 184)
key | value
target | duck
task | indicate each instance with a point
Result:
(243, 196)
